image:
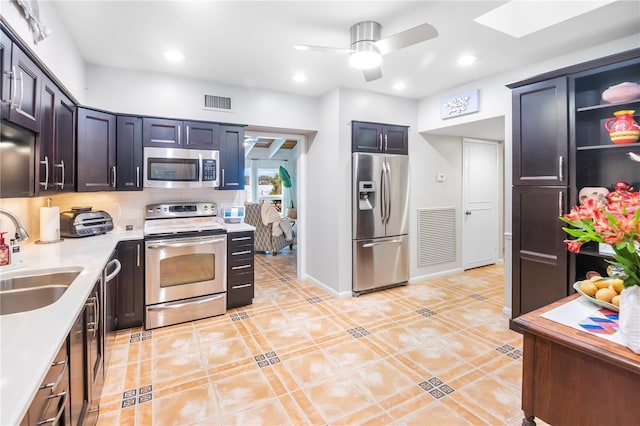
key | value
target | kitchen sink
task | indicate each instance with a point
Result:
(28, 290)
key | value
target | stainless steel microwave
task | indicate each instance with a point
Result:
(181, 168)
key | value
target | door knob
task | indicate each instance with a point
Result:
(467, 213)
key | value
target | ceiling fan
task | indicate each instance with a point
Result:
(367, 47)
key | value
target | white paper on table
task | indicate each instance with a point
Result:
(576, 311)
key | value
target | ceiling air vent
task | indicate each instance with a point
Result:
(217, 103)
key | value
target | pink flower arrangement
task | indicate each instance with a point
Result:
(614, 222)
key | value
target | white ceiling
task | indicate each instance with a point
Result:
(249, 44)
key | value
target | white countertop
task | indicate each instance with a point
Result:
(30, 340)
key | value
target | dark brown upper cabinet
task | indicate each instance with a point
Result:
(129, 153)
(540, 133)
(167, 133)
(56, 141)
(377, 138)
(21, 82)
(231, 157)
(96, 151)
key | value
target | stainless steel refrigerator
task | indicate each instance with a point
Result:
(380, 221)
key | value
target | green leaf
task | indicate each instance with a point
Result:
(284, 177)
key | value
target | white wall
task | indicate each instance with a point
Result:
(324, 184)
(56, 51)
(147, 93)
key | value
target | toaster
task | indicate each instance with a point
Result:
(83, 222)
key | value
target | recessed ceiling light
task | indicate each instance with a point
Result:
(173, 56)
(399, 85)
(466, 60)
(299, 77)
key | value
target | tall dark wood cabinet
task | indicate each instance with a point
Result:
(232, 157)
(96, 151)
(129, 153)
(129, 310)
(540, 179)
(377, 137)
(560, 145)
(56, 141)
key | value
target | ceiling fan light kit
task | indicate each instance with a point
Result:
(367, 47)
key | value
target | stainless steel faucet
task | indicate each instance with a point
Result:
(21, 233)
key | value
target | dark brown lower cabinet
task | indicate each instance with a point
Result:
(540, 257)
(240, 269)
(129, 299)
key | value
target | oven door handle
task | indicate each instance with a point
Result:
(169, 306)
(185, 244)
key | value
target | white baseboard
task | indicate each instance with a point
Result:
(435, 275)
(506, 311)
(323, 286)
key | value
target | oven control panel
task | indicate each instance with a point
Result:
(189, 209)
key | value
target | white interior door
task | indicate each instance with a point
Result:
(480, 193)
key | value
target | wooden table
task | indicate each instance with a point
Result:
(571, 377)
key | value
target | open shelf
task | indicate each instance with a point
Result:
(635, 103)
(622, 147)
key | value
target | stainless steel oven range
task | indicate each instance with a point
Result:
(185, 263)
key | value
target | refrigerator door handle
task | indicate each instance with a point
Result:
(377, 243)
(387, 192)
(383, 196)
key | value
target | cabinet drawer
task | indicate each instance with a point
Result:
(240, 290)
(235, 239)
(243, 264)
(51, 397)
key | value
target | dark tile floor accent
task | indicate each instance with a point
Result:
(358, 332)
(129, 397)
(267, 359)
(510, 351)
(237, 316)
(314, 299)
(436, 387)
(285, 279)
(426, 312)
(478, 297)
(136, 337)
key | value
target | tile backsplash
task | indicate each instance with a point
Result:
(126, 208)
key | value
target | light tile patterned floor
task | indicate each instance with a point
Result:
(437, 352)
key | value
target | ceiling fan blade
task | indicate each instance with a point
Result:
(406, 38)
(311, 48)
(372, 73)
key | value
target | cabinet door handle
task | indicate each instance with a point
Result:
(138, 255)
(54, 386)
(380, 145)
(113, 173)
(21, 91)
(61, 183)
(560, 209)
(238, 253)
(179, 132)
(46, 173)
(385, 142)
(241, 267)
(222, 177)
(13, 81)
(241, 286)
(63, 406)
(187, 141)
(560, 168)
(241, 239)
(137, 176)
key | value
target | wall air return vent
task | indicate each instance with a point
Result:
(217, 103)
(436, 236)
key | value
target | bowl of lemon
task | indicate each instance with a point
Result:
(602, 291)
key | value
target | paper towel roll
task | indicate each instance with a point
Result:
(49, 224)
